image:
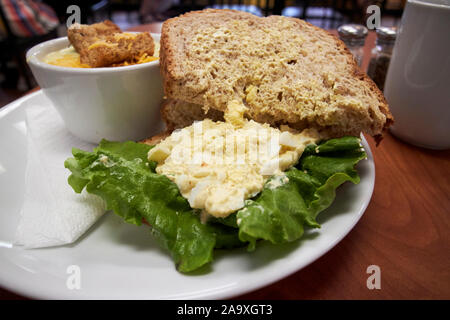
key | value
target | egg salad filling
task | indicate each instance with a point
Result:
(218, 165)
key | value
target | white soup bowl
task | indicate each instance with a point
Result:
(113, 103)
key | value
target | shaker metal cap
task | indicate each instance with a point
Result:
(386, 34)
(352, 31)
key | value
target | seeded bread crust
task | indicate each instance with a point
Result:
(285, 70)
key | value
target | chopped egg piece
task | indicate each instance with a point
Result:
(235, 113)
(277, 181)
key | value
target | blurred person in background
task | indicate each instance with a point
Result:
(27, 18)
(23, 24)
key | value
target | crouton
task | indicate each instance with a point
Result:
(104, 44)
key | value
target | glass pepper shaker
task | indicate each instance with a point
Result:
(381, 55)
(354, 37)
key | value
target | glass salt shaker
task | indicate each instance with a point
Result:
(354, 37)
(381, 55)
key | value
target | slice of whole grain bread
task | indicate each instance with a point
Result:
(285, 70)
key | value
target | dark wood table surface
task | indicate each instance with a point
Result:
(404, 231)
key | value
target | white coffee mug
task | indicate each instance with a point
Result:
(417, 85)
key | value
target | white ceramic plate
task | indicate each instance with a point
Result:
(121, 261)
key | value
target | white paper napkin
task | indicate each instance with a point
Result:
(52, 214)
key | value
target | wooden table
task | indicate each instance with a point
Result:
(404, 231)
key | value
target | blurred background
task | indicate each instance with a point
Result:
(24, 23)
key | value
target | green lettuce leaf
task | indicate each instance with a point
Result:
(279, 214)
(121, 174)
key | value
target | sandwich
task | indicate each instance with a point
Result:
(263, 119)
